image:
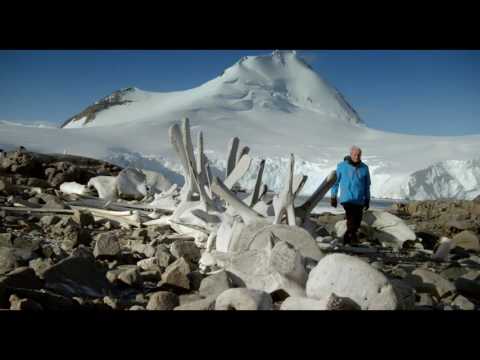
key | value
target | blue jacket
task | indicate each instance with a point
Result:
(354, 183)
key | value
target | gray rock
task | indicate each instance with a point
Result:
(137, 308)
(243, 299)
(77, 276)
(348, 276)
(47, 299)
(40, 265)
(164, 258)
(453, 273)
(203, 304)
(215, 284)
(163, 300)
(177, 274)
(423, 280)
(302, 303)
(186, 249)
(6, 240)
(467, 239)
(8, 260)
(130, 277)
(106, 245)
(109, 301)
(188, 298)
(463, 303)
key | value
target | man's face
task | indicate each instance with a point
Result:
(356, 155)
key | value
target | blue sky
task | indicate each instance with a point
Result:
(416, 92)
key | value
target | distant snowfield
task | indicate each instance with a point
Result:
(276, 105)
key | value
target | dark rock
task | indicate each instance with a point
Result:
(469, 284)
(24, 304)
(22, 277)
(195, 278)
(177, 274)
(77, 276)
(106, 245)
(341, 303)
(163, 300)
(215, 284)
(83, 218)
(186, 249)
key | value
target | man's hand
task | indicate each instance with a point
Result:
(333, 202)
(367, 205)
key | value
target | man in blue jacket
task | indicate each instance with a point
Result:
(353, 177)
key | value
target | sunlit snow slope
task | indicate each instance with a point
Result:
(275, 104)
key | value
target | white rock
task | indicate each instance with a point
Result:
(390, 229)
(348, 276)
(131, 184)
(74, 188)
(243, 299)
(302, 303)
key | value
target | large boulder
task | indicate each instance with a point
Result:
(77, 276)
(351, 277)
(278, 267)
(243, 299)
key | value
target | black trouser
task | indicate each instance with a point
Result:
(353, 214)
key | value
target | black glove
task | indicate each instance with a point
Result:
(367, 205)
(333, 202)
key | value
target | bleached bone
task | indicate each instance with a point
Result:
(306, 208)
(232, 155)
(256, 195)
(202, 162)
(240, 169)
(157, 182)
(285, 200)
(248, 215)
(36, 210)
(106, 186)
(244, 151)
(74, 188)
(163, 221)
(177, 142)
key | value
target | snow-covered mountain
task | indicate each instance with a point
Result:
(277, 105)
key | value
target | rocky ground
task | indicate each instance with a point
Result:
(70, 261)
